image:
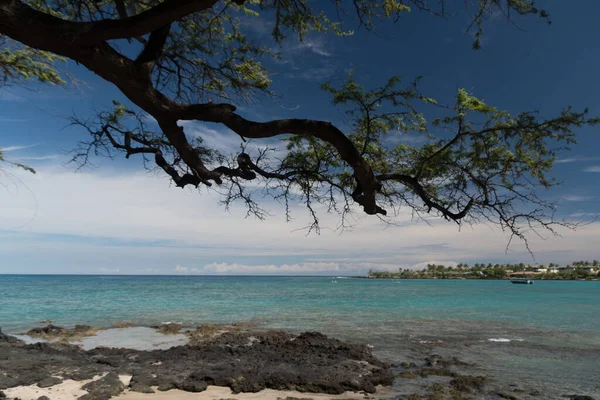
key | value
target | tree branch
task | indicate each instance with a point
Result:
(86, 33)
(224, 114)
(154, 46)
(422, 193)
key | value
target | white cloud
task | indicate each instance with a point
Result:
(186, 270)
(315, 44)
(228, 142)
(313, 268)
(595, 168)
(40, 158)
(108, 270)
(176, 225)
(147, 270)
(576, 159)
(16, 148)
(584, 214)
(577, 198)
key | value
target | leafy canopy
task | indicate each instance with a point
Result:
(193, 60)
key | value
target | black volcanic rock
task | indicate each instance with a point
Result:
(243, 361)
(103, 388)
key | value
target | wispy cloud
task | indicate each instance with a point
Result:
(576, 159)
(584, 214)
(228, 142)
(147, 270)
(186, 270)
(577, 198)
(108, 270)
(192, 229)
(317, 45)
(6, 119)
(16, 148)
(313, 268)
(595, 168)
(40, 158)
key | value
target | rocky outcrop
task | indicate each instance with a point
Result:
(243, 361)
(47, 382)
(8, 339)
(104, 388)
(52, 332)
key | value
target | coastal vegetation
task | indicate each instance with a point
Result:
(578, 270)
(205, 61)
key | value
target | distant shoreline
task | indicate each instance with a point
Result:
(470, 279)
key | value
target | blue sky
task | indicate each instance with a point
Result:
(119, 219)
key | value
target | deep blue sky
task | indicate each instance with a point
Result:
(118, 217)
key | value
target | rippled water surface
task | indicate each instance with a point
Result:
(545, 335)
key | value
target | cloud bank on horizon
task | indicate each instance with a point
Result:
(99, 221)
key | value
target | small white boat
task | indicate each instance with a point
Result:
(524, 281)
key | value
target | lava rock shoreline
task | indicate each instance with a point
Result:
(243, 361)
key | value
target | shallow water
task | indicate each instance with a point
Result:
(544, 336)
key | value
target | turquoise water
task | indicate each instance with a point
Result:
(540, 333)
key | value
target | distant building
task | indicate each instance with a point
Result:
(525, 273)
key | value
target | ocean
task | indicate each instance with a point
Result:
(543, 337)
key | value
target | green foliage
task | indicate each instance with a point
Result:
(577, 270)
(488, 8)
(21, 63)
(471, 162)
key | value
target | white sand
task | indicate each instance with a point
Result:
(219, 392)
(69, 390)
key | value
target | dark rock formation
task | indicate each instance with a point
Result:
(48, 330)
(468, 384)
(136, 386)
(104, 388)
(8, 339)
(243, 361)
(47, 382)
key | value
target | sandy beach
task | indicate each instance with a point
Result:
(70, 389)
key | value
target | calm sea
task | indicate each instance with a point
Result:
(544, 336)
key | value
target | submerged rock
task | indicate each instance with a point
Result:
(243, 361)
(170, 328)
(51, 332)
(48, 331)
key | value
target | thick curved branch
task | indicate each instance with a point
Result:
(224, 114)
(86, 33)
(154, 46)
